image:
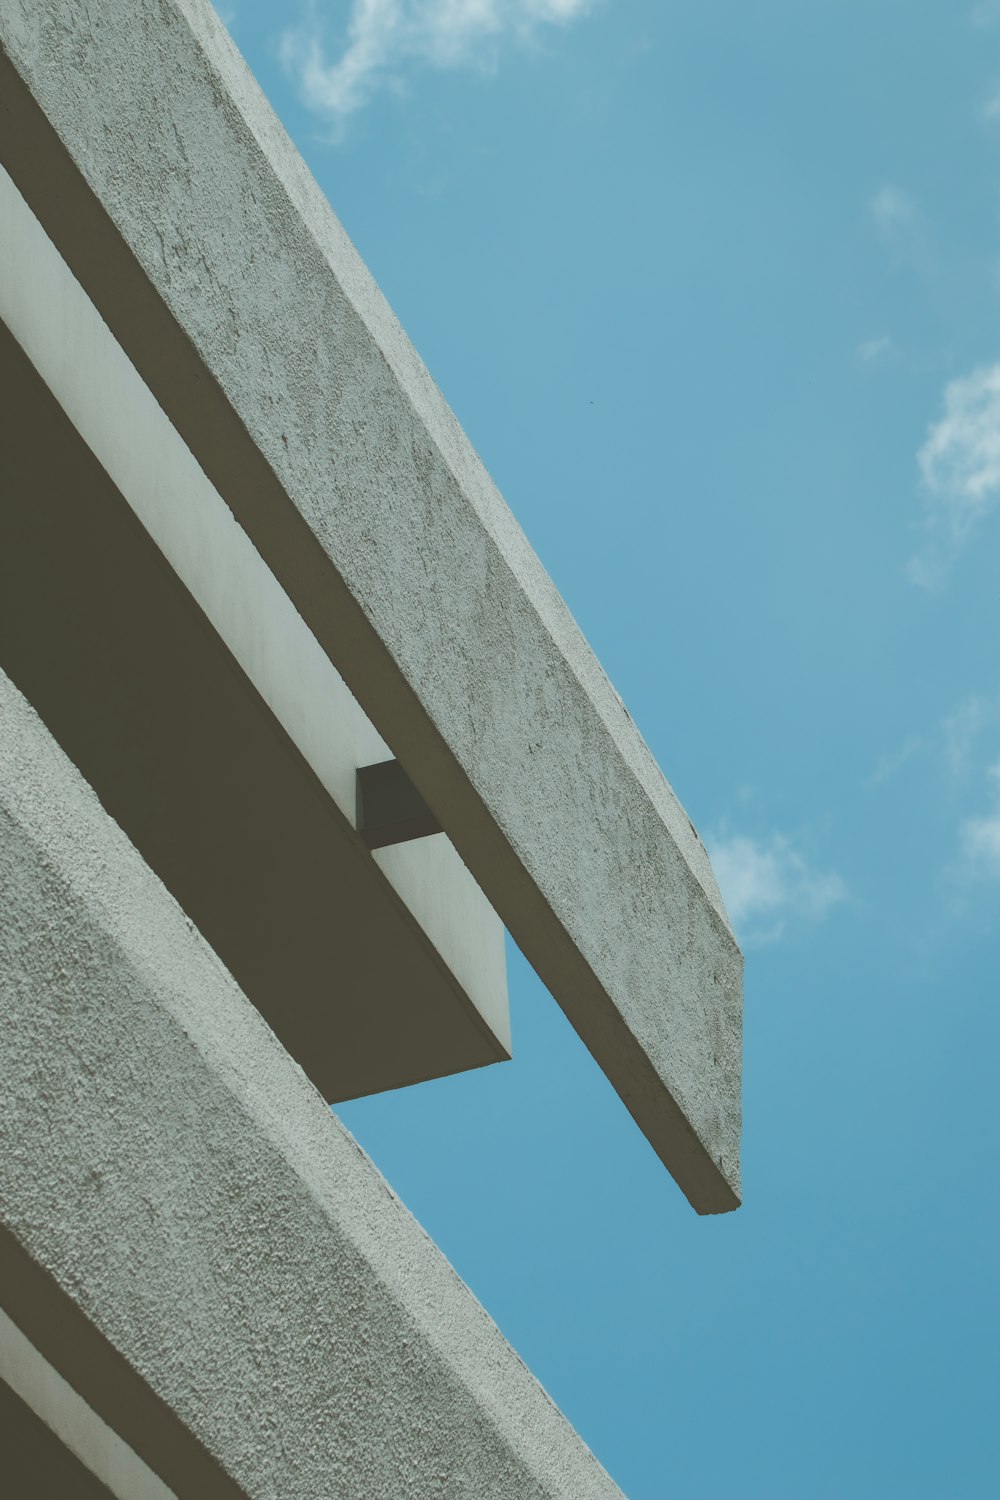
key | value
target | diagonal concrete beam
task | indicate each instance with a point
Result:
(190, 1238)
(138, 137)
(145, 628)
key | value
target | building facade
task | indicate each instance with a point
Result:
(292, 726)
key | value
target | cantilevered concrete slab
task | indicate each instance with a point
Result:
(147, 151)
(137, 617)
(54, 1443)
(189, 1238)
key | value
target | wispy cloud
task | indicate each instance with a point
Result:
(872, 349)
(955, 745)
(892, 761)
(766, 883)
(960, 467)
(385, 36)
(985, 13)
(979, 838)
(902, 229)
(892, 209)
(962, 729)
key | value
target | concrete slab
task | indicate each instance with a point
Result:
(145, 147)
(139, 620)
(54, 1444)
(189, 1237)
(36, 1462)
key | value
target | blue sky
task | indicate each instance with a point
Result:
(714, 288)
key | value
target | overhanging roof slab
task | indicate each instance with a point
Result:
(145, 147)
(138, 619)
(141, 692)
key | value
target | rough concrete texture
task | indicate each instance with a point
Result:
(171, 1171)
(138, 136)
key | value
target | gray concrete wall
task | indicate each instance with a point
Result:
(139, 138)
(190, 1236)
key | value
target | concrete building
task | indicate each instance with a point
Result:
(292, 725)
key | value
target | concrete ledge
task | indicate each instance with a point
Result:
(225, 276)
(54, 1443)
(137, 618)
(189, 1236)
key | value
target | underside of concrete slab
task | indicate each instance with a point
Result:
(54, 1443)
(137, 618)
(36, 1462)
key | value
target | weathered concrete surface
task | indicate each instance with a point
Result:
(189, 1236)
(146, 149)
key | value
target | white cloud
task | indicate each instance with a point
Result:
(767, 882)
(979, 838)
(960, 468)
(384, 35)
